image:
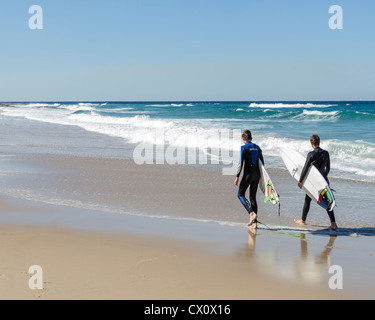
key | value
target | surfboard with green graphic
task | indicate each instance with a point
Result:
(267, 187)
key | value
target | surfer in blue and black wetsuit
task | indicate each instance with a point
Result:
(320, 159)
(249, 157)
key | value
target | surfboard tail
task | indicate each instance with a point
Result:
(326, 199)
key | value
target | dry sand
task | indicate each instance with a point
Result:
(81, 264)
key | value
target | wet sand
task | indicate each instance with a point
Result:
(110, 229)
(82, 264)
(180, 191)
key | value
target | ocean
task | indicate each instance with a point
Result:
(346, 129)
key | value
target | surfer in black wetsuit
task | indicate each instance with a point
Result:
(320, 159)
(249, 157)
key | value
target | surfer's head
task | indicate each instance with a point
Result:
(315, 140)
(246, 135)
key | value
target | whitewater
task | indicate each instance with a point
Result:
(345, 128)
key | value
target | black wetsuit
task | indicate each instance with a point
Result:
(249, 157)
(320, 159)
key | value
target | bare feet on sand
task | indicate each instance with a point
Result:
(334, 226)
(300, 222)
(252, 222)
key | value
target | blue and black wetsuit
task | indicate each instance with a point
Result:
(320, 159)
(248, 164)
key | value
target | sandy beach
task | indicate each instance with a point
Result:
(60, 212)
(104, 265)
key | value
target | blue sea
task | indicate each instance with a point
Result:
(346, 128)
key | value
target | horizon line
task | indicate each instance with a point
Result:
(197, 101)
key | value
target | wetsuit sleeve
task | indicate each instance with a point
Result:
(328, 164)
(261, 155)
(240, 163)
(308, 162)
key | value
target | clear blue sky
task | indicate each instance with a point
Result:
(187, 50)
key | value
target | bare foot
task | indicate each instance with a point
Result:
(300, 221)
(253, 217)
(334, 226)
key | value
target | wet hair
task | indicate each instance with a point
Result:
(246, 135)
(315, 140)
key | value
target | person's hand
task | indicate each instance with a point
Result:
(300, 185)
(236, 181)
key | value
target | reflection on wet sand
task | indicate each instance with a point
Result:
(251, 242)
(312, 267)
(306, 265)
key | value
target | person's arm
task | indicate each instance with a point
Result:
(261, 155)
(328, 165)
(305, 168)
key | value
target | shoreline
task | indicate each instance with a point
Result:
(180, 191)
(190, 260)
(83, 262)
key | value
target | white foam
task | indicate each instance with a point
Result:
(286, 105)
(122, 109)
(37, 105)
(320, 113)
(317, 115)
(78, 107)
(88, 104)
(158, 105)
(169, 105)
(348, 159)
(357, 158)
(137, 129)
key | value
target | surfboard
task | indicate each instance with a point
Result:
(266, 186)
(314, 184)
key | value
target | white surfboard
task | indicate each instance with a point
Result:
(266, 185)
(314, 184)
